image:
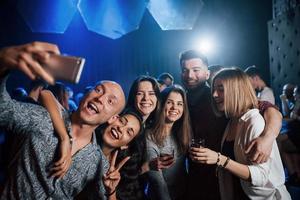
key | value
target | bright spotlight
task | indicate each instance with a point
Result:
(206, 46)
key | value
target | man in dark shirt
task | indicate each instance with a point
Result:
(36, 144)
(202, 183)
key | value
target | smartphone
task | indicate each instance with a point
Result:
(66, 68)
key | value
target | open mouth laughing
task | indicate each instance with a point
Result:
(114, 133)
(92, 107)
(146, 107)
(173, 113)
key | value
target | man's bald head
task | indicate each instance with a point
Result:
(118, 92)
(104, 101)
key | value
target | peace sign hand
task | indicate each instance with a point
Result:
(112, 178)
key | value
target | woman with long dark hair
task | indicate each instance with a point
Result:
(144, 96)
(167, 146)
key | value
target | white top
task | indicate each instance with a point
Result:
(267, 179)
(266, 95)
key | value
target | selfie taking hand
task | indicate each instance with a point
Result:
(28, 58)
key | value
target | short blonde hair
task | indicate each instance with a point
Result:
(239, 95)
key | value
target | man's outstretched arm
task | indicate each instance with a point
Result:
(26, 58)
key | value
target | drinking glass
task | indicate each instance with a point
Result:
(170, 152)
(198, 142)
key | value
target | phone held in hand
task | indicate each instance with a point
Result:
(66, 68)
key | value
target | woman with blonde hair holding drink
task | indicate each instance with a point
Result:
(239, 178)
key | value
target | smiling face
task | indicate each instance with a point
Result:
(232, 93)
(218, 94)
(194, 72)
(101, 103)
(121, 131)
(145, 99)
(173, 107)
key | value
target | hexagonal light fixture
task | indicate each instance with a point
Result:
(175, 14)
(112, 18)
(47, 16)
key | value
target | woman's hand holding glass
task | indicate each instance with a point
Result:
(203, 155)
(163, 161)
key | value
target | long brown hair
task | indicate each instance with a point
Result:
(133, 91)
(239, 95)
(181, 128)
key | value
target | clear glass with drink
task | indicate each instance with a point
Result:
(167, 153)
(198, 142)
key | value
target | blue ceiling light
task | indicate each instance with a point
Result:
(112, 18)
(47, 16)
(175, 14)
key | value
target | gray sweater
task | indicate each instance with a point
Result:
(168, 183)
(34, 149)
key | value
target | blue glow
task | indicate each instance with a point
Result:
(48, 16)
(175, 14)
(112, 18)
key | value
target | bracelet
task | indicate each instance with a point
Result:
(226, 162)
(218, 159)
(109, 194)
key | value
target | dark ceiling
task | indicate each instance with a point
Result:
(238, 27)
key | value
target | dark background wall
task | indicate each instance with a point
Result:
(238, 27)
(284, 44)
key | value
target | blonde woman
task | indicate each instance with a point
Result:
(239, 178)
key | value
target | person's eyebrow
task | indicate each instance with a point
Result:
(174, 101)
(100, 86)
(131, 130)
(105, 88)
(114, 97)
(199, 67)
(126, 119)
